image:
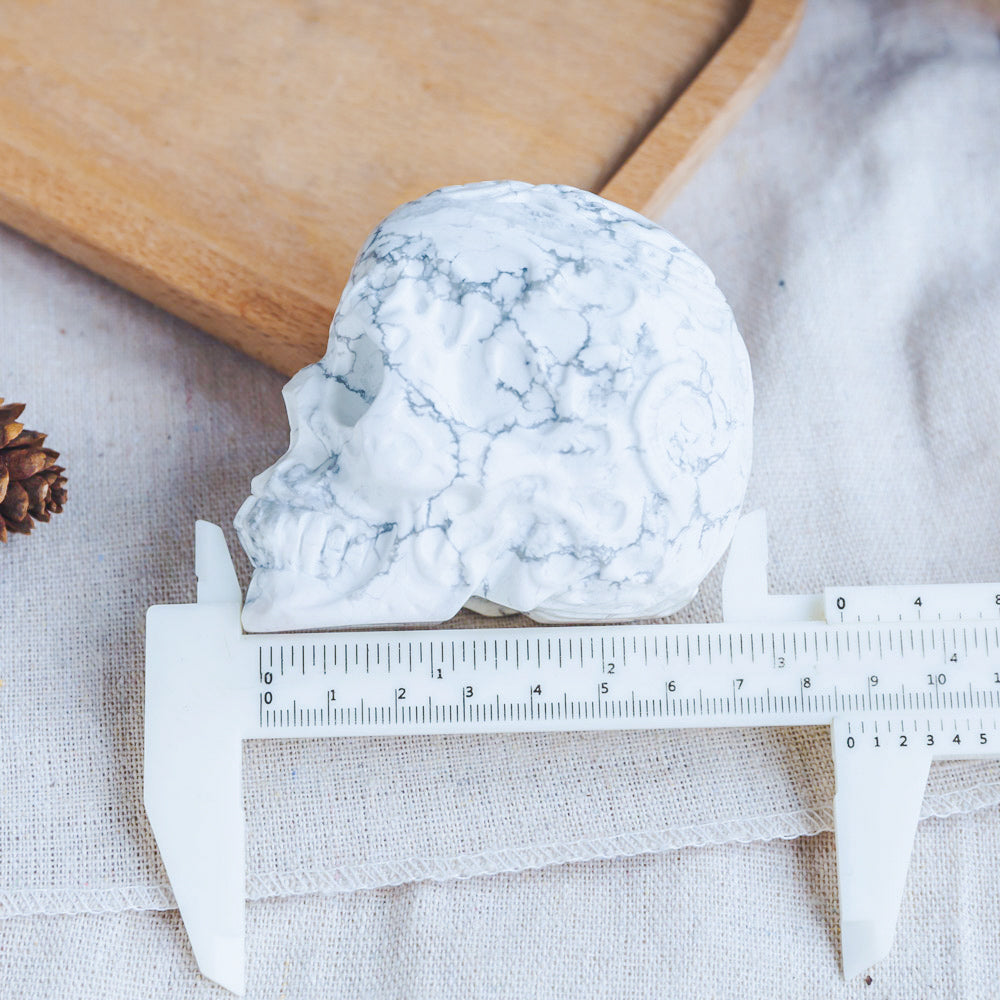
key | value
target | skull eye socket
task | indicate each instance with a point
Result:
(356, 371)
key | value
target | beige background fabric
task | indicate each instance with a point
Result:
(717, 922)
(853, 221)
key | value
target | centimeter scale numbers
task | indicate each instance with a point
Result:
(911, 683)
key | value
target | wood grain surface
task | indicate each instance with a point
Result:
(226, 160)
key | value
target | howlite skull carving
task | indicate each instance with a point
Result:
(533, 399)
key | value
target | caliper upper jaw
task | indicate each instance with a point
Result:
(745, 597)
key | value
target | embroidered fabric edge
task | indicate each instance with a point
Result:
(69, 901)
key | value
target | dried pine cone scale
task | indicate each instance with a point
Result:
(32, 486)
(9, 427)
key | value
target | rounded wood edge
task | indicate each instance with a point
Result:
(730, 82)
(272, 323)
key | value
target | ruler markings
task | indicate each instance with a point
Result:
(806, 695)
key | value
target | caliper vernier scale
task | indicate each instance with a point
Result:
(903, 675)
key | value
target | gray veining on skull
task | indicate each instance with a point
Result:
(532, 399)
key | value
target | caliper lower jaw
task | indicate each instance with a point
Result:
(879, 791)
(193, 789)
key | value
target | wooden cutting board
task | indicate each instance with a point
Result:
(226, 158)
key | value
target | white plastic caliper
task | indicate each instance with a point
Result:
(902, 675)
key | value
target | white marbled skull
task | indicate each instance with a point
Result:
(533, 399)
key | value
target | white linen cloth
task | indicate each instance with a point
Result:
(853, 220)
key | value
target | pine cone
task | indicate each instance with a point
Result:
(31, 484)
